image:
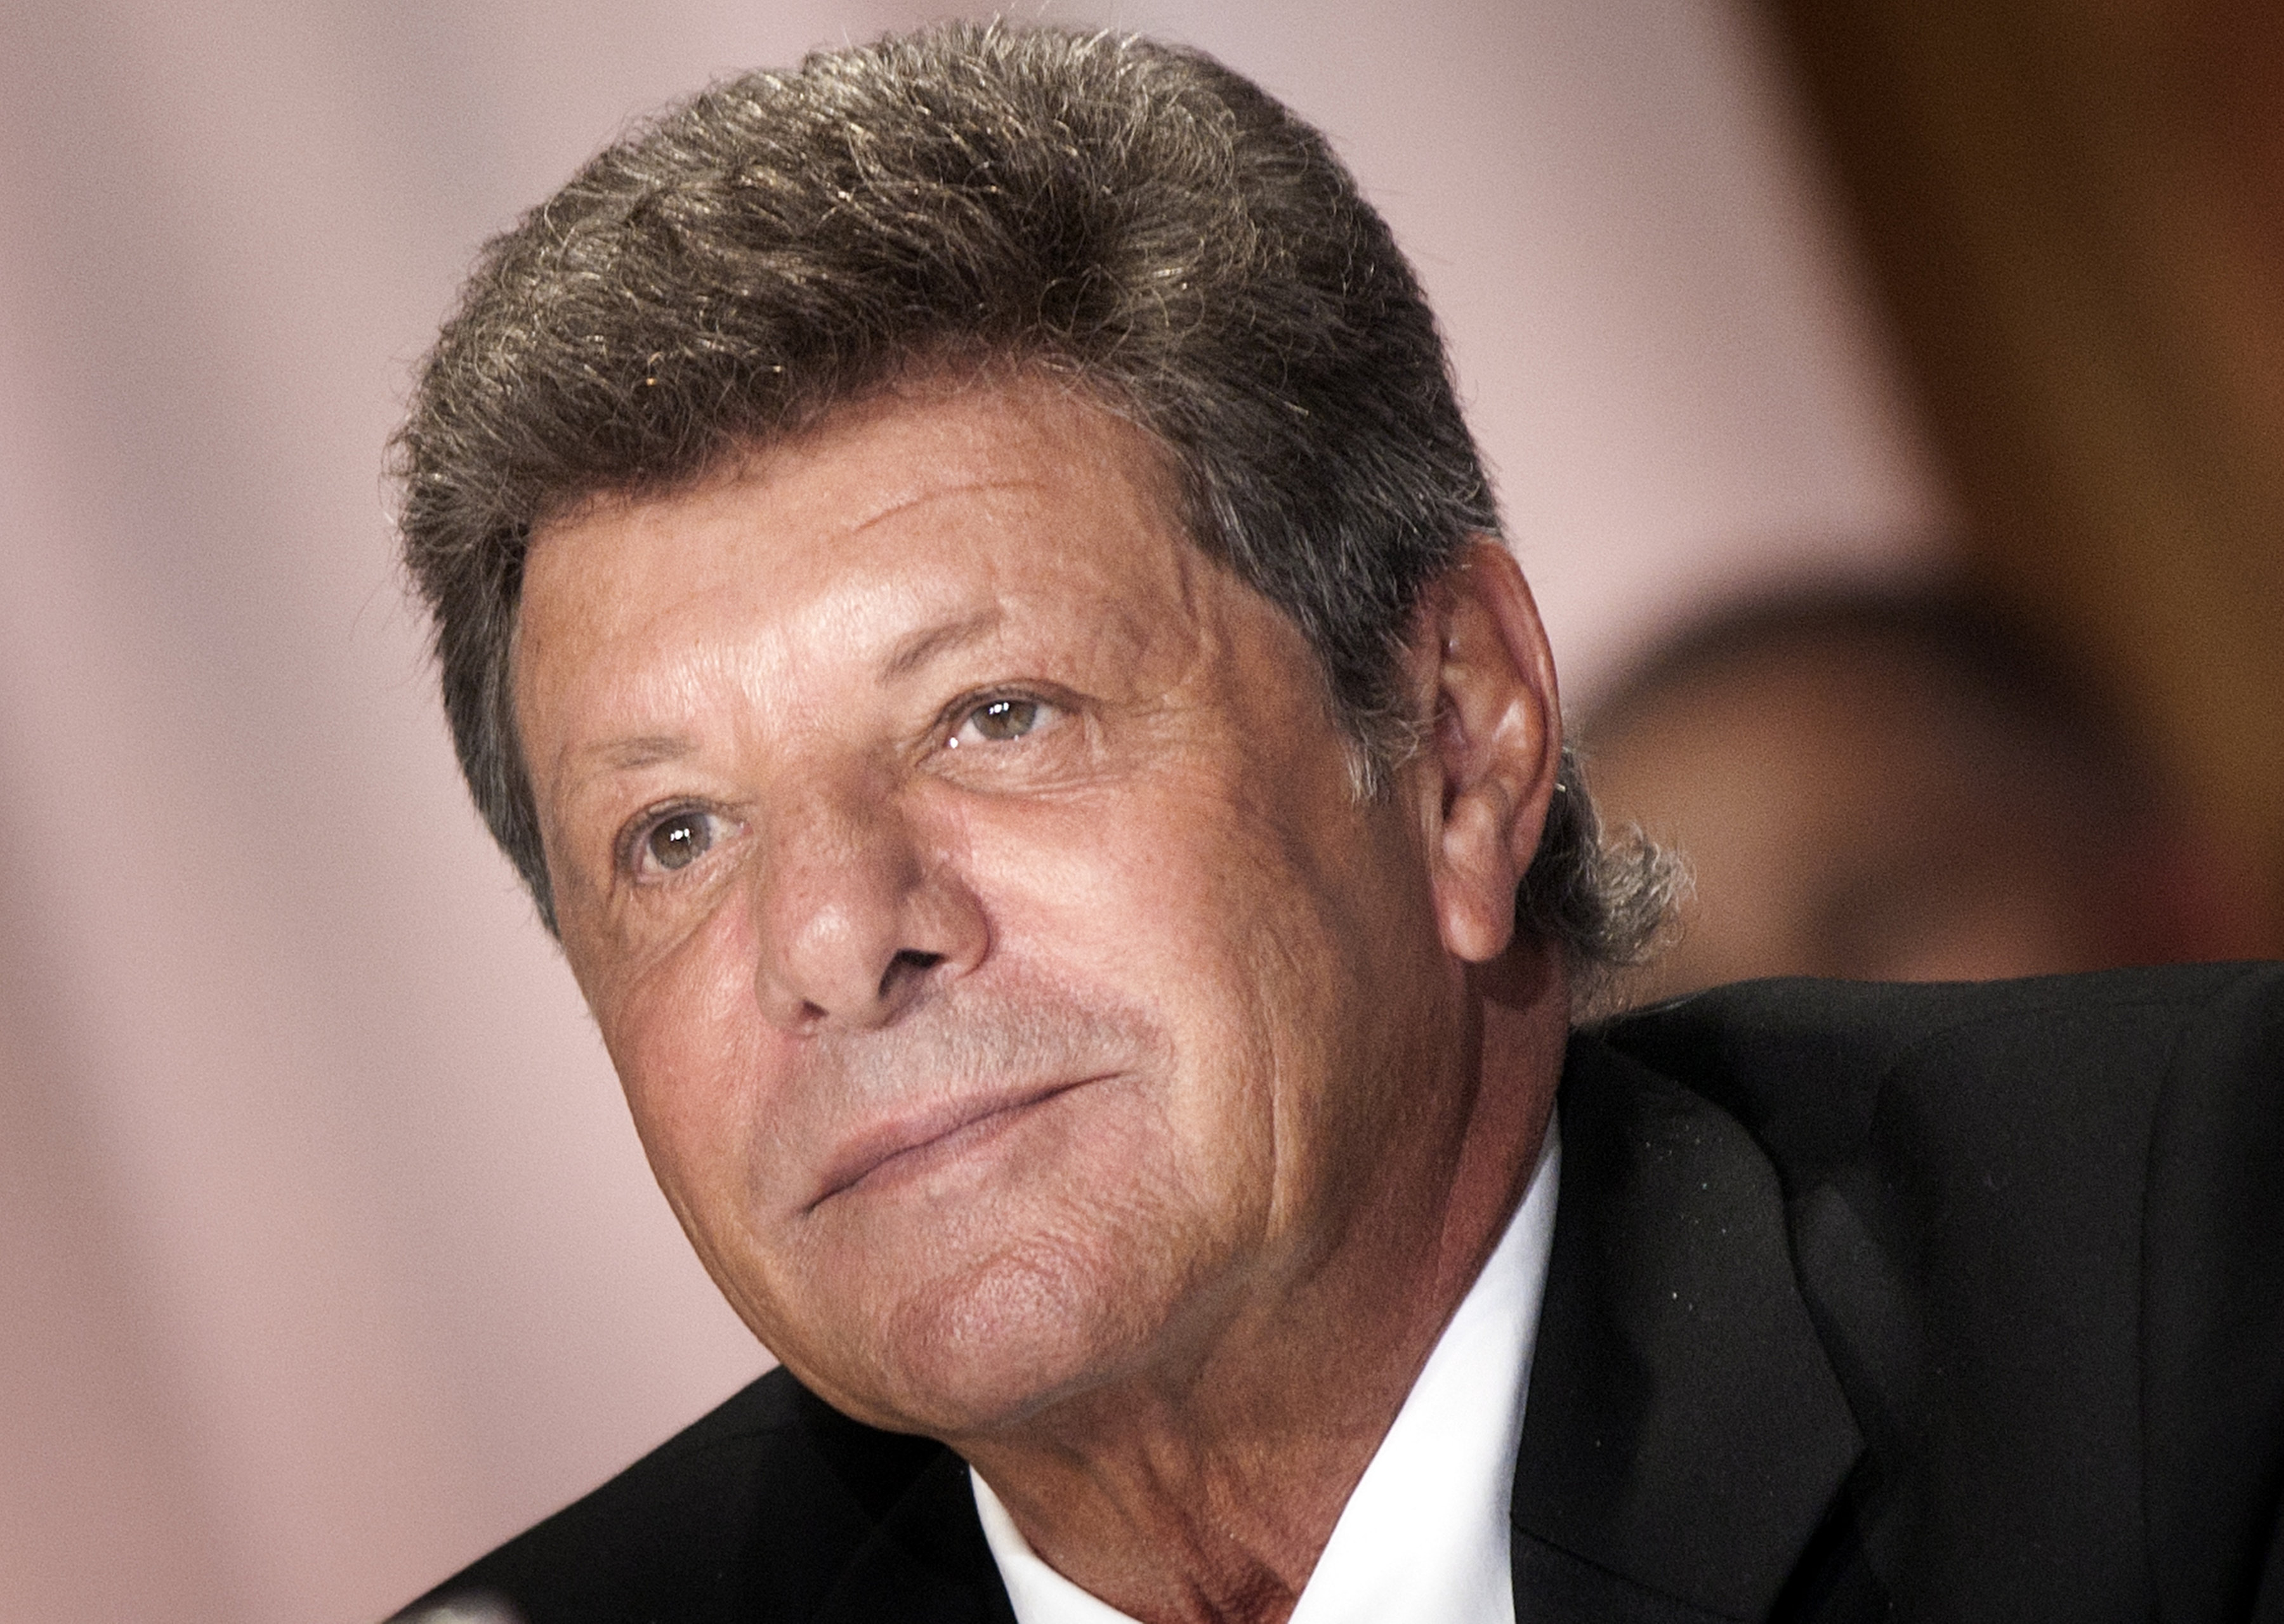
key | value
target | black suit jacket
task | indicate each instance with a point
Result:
(1865, 1302)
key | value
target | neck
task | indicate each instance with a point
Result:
(1205, 1487)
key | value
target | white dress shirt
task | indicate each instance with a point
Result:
(1423, 1539)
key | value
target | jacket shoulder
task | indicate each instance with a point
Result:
(1808, 1067)
(752, 1511)
(2036, 1224)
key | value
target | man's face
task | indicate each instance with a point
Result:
(962, 868)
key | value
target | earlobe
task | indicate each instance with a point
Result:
(1496, 745)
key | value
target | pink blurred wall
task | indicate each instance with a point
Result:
(327, 1258)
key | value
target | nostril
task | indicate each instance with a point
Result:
(907, 964)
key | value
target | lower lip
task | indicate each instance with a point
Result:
(961, 1144)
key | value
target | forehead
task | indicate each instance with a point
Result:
(906, 462)
(934, 512)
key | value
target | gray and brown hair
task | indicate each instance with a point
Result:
(1127, 215)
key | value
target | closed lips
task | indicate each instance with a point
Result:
(966, 1120)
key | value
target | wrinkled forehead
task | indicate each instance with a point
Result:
(863, 546)
(864, 485)
(845, 470)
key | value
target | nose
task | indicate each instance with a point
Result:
(858, 917)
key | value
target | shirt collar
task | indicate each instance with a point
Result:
(1424, 1538)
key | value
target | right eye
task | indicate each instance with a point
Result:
(677, 840)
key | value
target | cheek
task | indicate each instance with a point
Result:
(1156, 895)
(1188, 902)
(684, 1034)
(707, 1084)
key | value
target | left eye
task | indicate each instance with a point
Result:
(997, 720)
(678, 840)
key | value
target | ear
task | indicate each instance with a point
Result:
(1495, 744)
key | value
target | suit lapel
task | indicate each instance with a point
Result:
(1684, 1434)
(924, 1560)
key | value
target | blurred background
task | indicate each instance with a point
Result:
(327, 1256)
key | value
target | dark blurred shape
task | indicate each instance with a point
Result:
(1899, 785)
(2075, 212)
(464, 1610)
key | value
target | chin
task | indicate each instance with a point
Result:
(990, 1345)
(974, 1299)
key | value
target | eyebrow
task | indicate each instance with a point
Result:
(646, 750)
(915, 650)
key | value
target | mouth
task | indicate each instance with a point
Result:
(927, 1136)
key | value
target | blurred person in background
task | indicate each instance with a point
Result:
(1898, 785)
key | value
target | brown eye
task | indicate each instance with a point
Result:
(678, 841)
(997, 720)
